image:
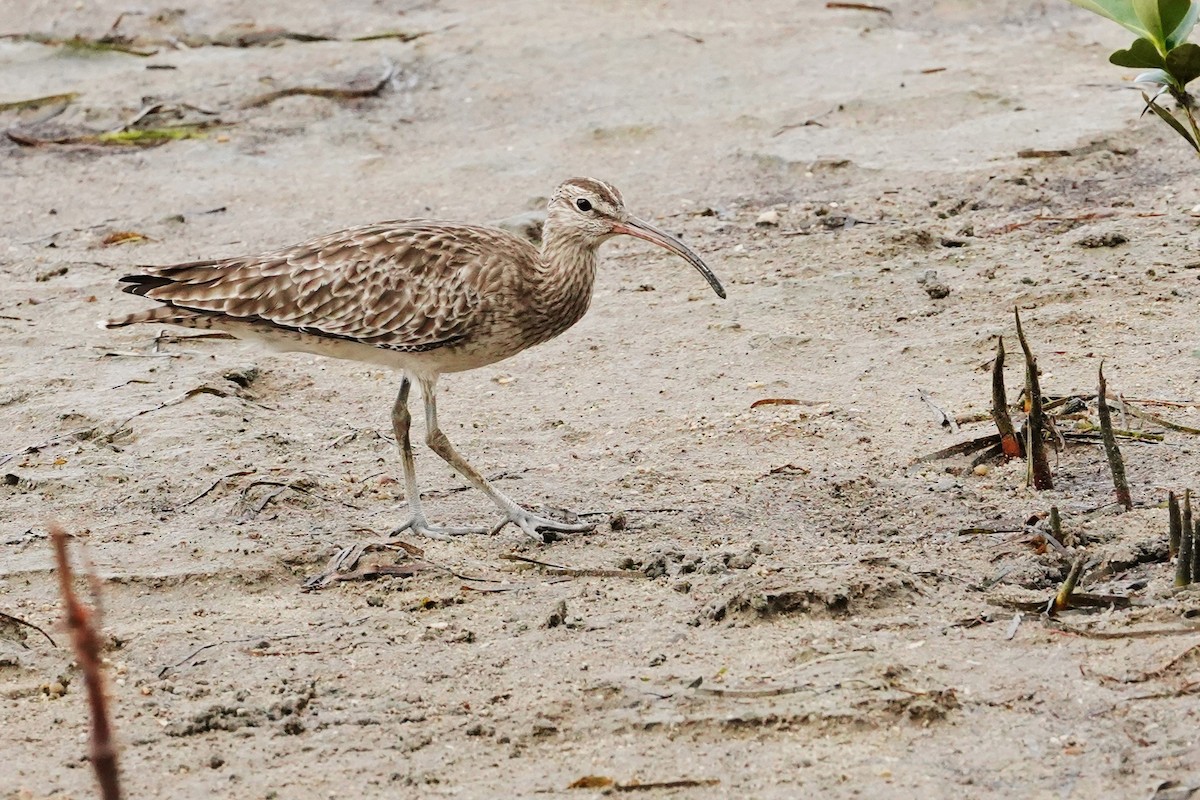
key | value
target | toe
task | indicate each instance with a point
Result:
(421, 527)
(432, 533)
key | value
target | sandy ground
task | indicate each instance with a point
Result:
(800, 610)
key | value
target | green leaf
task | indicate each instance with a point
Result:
(1184, 63)
(1164, 23)
(1119, 11)
(1180, 33)
(1169, 21)
(1156, 76)
(1142, 54)
(1168, 118)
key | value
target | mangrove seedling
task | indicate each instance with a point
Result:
(1162, 49)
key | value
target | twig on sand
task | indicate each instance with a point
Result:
(1150, 675)
(214, 485)
(164, 671)
(962, 448)
(1116, 464)
(776, 691)
(139, 137)
(1128, 407)
(610, 785)
(1137, 633)
(334, 93)
(8, 620)
(344, 566)
(572, 572)
(37, 102)
(132, 354)
(860, 7)
(585, 514)
(251, 513)
(190, 393)
(1012, 226)
(1189, 688)
(499, 476)
(85, 433)
(86, 643)
(301, 486)
(1078, 600)
(82, 433)
(1083, 434)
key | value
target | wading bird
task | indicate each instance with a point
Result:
(421, 296)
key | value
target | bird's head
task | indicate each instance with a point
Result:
(591, 211)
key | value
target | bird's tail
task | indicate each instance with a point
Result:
(168, 315)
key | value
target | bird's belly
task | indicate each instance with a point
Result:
(452, 358)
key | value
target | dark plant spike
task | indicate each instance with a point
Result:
(1175, 525)
(1183, 567)
(1009, 443)
(1116, 464)
(1195, 535)
(1062, 599)
(1039, 464)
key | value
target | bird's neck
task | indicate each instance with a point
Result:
(564, 280)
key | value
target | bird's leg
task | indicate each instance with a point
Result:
(401, 422)
(438, 442)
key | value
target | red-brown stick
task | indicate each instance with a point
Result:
(87, 651)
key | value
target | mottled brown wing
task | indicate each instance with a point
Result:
(404, 285)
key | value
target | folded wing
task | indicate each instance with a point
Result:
(410, 285)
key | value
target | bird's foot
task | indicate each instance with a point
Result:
(534, 525)
(419, 525)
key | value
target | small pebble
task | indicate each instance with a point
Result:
(937, 290)
(741, 561)
(557, 616)
(768, 219)
(1109, 239)
(933, 287)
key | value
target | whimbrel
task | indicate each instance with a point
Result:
(421, 296)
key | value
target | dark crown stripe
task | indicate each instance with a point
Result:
(598, 188)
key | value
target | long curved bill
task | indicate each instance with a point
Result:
(644, 230)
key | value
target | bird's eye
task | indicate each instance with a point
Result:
(583, 204)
